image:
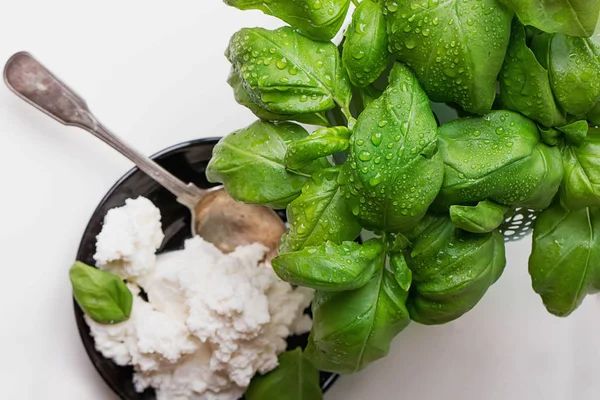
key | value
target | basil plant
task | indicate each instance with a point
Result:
(346, 142)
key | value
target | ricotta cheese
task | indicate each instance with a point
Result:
(212, 320)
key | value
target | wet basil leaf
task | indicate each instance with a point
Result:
(455, 47)
(594, 115)
(317, 19)
(550, 136)
(565, 261)
(525, 83)
(452, 270)
(321, 143)
(330, 266)
(250, 164)
(294, 379)
(242, 97)
(354, 328)
(572, 17)
(104, 297)
(581, 184)
(498, 157)
(319, 214)
(394, 171)
(287, 73)
(365, 52)
(485, 217)
(575, 132)
(574, 64)
(400, 269)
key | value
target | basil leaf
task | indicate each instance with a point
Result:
(455, 47)
(365, 52)
(575, 132)
(287, 73)
(550, 136)
(321, 143)
(572, 17)
(594, 115)
(242, 97)
(294, 379)
(525, 84)
(393, 172)
(497, 157)
(574, 66)
(354, 328)
(565, 261)
(485, 217)
(317, 19)
(581, 184)
(319, 214)
(331, 267)
(452, 270)
(104, 297)
(250, 164)
(400, 269)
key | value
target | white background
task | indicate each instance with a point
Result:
(155, 73)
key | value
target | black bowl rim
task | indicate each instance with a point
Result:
(212, 140)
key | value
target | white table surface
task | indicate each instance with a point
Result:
(155, 73)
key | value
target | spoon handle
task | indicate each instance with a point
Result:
(35, 84)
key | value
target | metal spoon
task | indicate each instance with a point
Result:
(216, 217)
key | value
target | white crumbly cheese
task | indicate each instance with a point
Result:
(212, 322)
(130, 236)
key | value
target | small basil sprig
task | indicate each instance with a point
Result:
(365, 51)
(321, 143)
(317, 19)
(565, 261)
(330, 266)
(294, 379)
(287, 73)
(250, 164)
(104, 297)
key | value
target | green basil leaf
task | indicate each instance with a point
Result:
(401, 272)
(565, 261)
(455, 47)
(250, 164)
(317, 19)
(393, 172)
(354, 328)
(525, 83)
(594, 115)
(575, 132)
(330, 266)
(321, 143)
(363, 97)
(319, 214)
(104, 297)
(574, 66)
(287, 73)
(242, 97)
(365, 52)
(581, 184)
(497, 157)
(550, 136)
(452, 270)
(294, 379)
(485, 217)
(398, 243)
(572, 17)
